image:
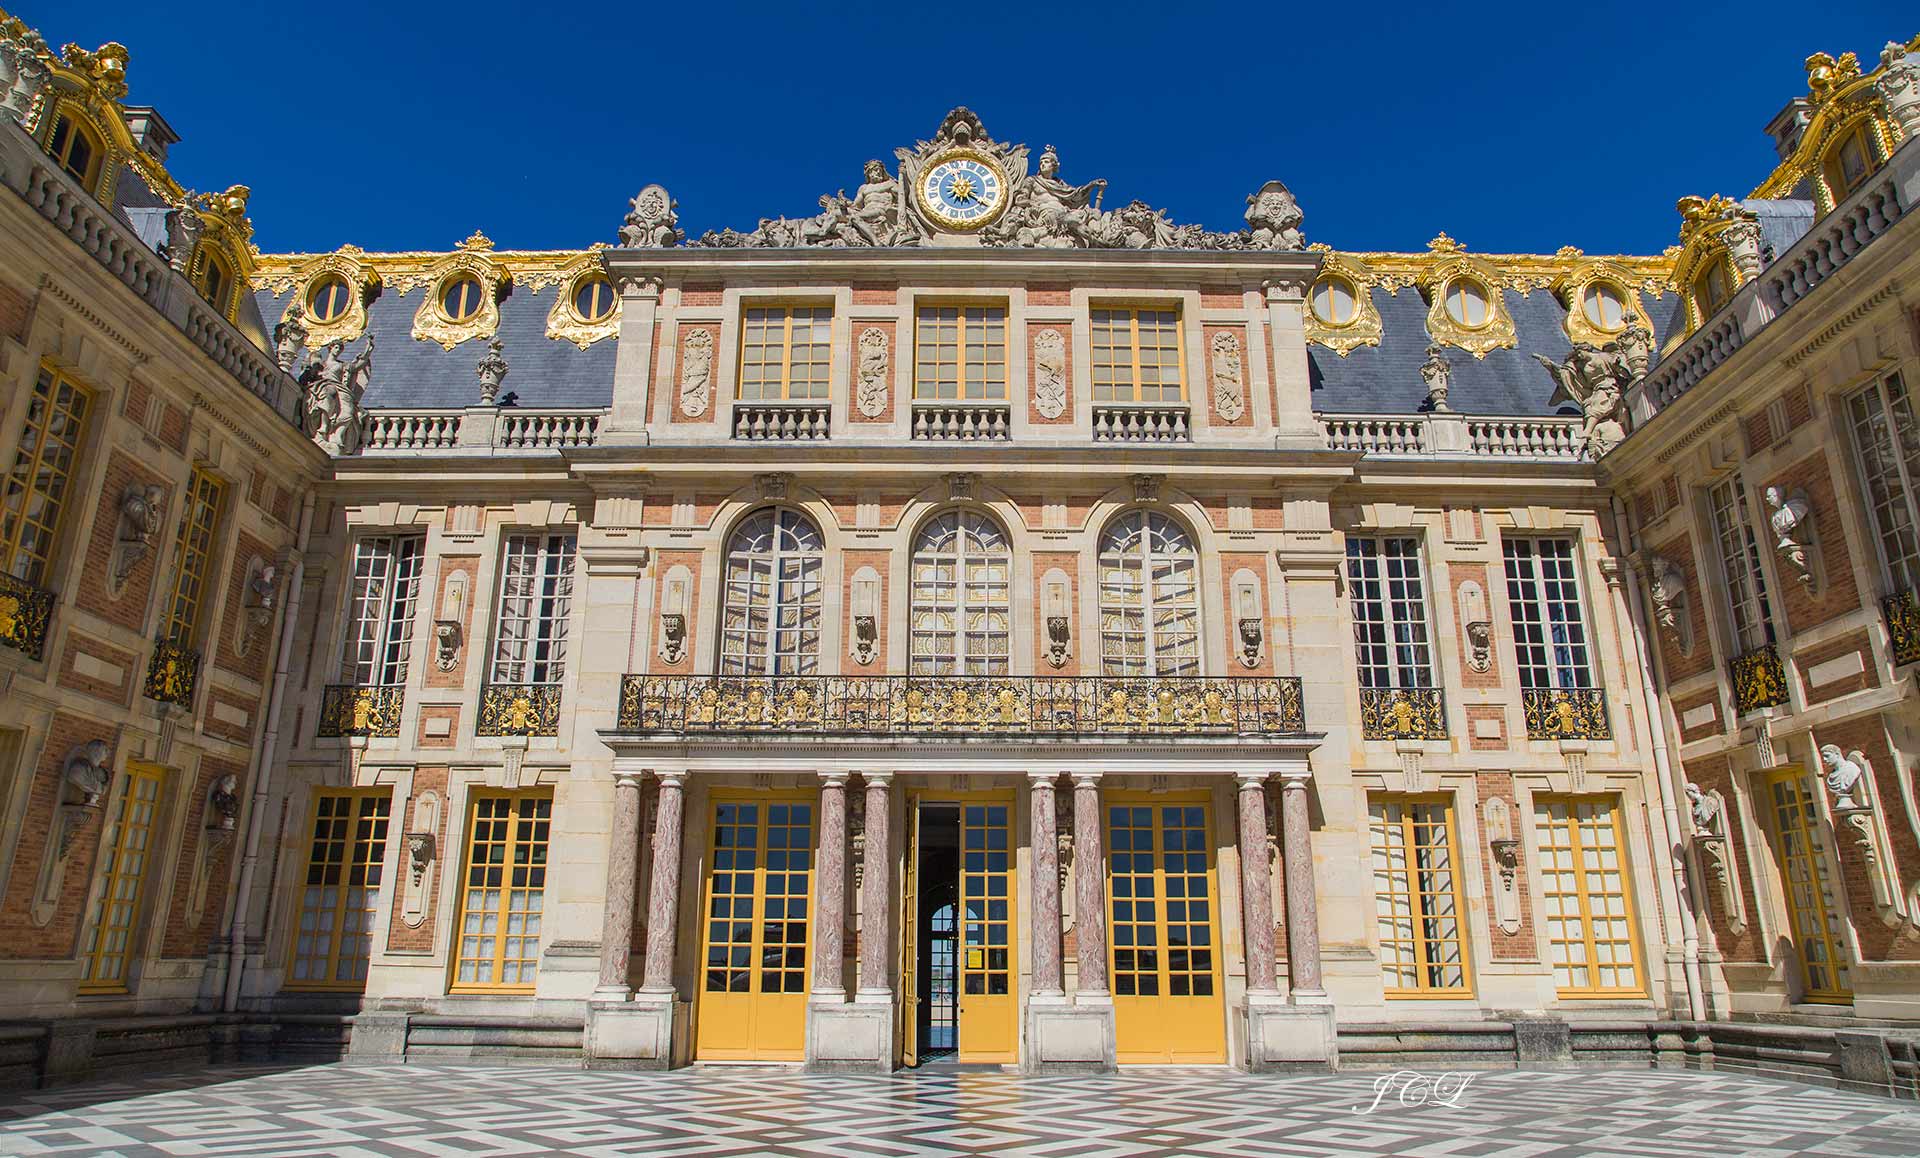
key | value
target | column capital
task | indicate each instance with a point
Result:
(628, 777)
(1294, 774)
(834, 777)
(877, 779)
(671, 777)
(1085, 779)
(1252, 778)
(1043, 779)
(630, 765)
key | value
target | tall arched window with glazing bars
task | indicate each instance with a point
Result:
(961, 562)
(1149, 597)
(770, 624)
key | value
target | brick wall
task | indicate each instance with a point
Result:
(15, 309)
(185, 936)
(86, 666)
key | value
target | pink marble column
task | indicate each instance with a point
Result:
(876, 891)
(830, 889)
(1047, 975)
(623, 862)
(1090, 887)
(1303, 918)
(1256, 885)
(663, 902)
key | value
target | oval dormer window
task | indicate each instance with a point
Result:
(1467, 303)
(460, 297)
(1605, 307)
(328, 299)
(593, 298)
(1335, 301)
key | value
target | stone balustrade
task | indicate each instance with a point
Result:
(782, 422)
(1140, 423)
(962, 422)
(1550, 438)
(1374, 434)
(547, 429)
(409, 430)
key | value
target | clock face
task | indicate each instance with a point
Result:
(962, 190)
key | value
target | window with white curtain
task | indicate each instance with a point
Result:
(536, 600)
(1549, 630)
(961, 562)
(770, 623)
(1746, 584)
(1149, 597)
(1389, 599)
(385, 591)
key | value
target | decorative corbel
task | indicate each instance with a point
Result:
(143, 508)
(257, 604)
(1249, 618)
(773, 485)
(446, 643)
(1056, 609)
(1480, 645)
(1146, 488)
(1849, 781)
(422, 854)
(865, 639)
(961, 486)
(1505, 850)
(420, 850)
(85, 777)
(675, 594)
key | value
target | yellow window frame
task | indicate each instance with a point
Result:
(1583, 893)
(786, 312)
(1132, 314)
(967, 317)
(1834, 165)
(33, 468)
(1791, 818)
(1407, 826)
(126, 853)
(527, 827)
(61, 150)
(193, 557)
(347, 830)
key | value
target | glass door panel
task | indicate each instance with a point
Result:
(1163, 932)
(1807, 880)
(756, 931)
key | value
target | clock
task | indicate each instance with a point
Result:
(962, 190)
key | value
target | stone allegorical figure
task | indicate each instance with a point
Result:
(1846, 776)
(333, 386)
(1055, 213)
(23, 68)
(1595, 379)
(874, 213)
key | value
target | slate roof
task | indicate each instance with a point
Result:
(1782, 223)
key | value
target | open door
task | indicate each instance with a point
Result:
(909, 1008)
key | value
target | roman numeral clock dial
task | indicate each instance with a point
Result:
(962, 190)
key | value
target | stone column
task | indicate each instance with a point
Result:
(876, 893)
(1256, 885)
(830, 890)
(623, 856)
(1090, 889)
(1047, 973)
(1295, 427)
(1303, 921)
(663, 902)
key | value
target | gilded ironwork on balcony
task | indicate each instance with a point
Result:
(1902, 612)
(172, 673)
(1759, 680)
(963, 705)
(1565, 713)
(519, 710)
(360, 710)
(25, 612)
(1403, 714)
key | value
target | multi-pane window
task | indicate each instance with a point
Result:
(1467, 303)
(76, 151)
(125, 849)
(42, 475)
(1137, 356)
(1888, 440)
(1583, 882)
(216, 280)
(1416, 892)
(986, 852)
(785, 353)
(1391, 645)
(770, 624)
(193, 558)
(502, 891)
(333, 936)
(1746, 584)
(762, 859)
(536, 600)
(1149, 597)
(960, 353)
(961, 562)
(1712, 288)
(385, 591)
(1801, 854)
(1549, 630)
(1161, 897)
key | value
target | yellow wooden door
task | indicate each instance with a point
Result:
(1808, 882)
(988, 1027)
(1163, 932)
(753, 991)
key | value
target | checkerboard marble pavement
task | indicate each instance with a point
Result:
(426, 1111)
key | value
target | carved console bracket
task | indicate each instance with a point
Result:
(1056, 608)
(422, 858)
(1857, 821)
(446, 643)
(1707, 812)
(1505, 849)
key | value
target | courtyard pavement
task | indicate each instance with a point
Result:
(350, 1112)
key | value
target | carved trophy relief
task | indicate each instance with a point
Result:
(696, 373)
(1229, 382)
(1049, 373)
(870, 383)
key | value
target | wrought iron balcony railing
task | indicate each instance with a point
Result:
(360, 710)
(25, 612)
(1902, 611)
(1759, 680)
(1565, 713)
(172, 673)
(963, 705)
(1403, 714)
(519, 710)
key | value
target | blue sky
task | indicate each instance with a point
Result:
(1513, 127)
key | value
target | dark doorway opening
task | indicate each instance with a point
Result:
(937, 1020)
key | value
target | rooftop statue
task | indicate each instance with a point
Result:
(333, 386)
(1595, 378)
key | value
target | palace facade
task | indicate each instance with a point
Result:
(977, 622)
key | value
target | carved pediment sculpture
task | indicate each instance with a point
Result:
(332, 387)
(652, 222)
(1595, 378)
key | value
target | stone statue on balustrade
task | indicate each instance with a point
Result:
(1594, 378)
(333, 385)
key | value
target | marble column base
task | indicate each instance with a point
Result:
(1067, 1038)
(850, 1038)
(650, 1032)
(1284, 1038)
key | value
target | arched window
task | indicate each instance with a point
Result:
(76, 150)
(216, 281)
(961, 562)
(1149, 597)
(771, 621)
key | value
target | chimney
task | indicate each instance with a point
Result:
(150, 131)
(1787, 125)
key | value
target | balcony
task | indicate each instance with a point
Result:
(1140, 422)
(1517, 438)
(1403, 714)
(962, 422)
(1759, 680)
(519, 710)
(25, 612)
(1902, 612)
(360, 710)
(1049, 706)
(172, 674)
(1565, 713)
(782, 421)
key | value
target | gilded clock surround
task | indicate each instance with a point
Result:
(938, 213)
